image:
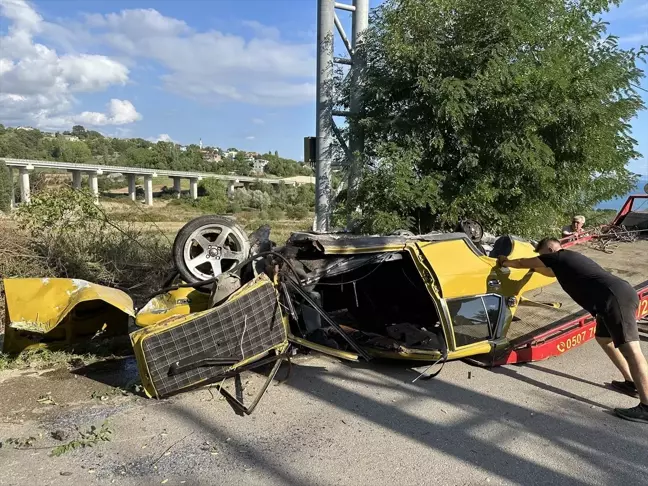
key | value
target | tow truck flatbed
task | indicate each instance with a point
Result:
(539, 333)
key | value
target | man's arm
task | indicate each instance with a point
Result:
(532, 263)
(521, 263)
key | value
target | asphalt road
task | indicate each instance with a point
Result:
(336, 423)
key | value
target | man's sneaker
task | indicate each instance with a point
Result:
(626, 387)
(636, 414)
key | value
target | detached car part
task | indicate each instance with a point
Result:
(207, 246)
(57, 312)
(185, 351)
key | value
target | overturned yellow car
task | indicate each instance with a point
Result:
(416, 297)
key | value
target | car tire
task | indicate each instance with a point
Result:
(219, 256)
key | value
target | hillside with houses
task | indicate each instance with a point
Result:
(83, 146)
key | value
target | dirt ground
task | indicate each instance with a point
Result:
(330, 423)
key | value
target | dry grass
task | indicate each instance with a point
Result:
(167, 218)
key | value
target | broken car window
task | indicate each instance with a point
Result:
(474, 318)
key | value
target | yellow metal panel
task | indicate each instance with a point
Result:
(323, 349)
(459, 270)
(482, 347)
(56, 311)
(180, 302)
(516, 281)
(360, 251)
(462, 273)
(422, 355)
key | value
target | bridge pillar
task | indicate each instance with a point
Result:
(148, 189)
(132, 190)
(93, 183)
(176, 186)
(231, 187)
(76, 179)
(193, 187)
(23, 177)
(13, 188)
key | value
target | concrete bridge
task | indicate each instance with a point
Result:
(25, 166)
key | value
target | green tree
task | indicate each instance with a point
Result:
(73, 151)
(284, 167)
(12, 146)
(79, 131)
(510, 112)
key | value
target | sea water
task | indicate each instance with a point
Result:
(617, 203)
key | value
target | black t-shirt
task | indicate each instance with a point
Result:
(584, 280)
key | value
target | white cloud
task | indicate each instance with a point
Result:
(21, 14)
(262, 30)
(162, 137)
(256, 121)
(120, 112)
(41, 81)
(251, 137)
(634, 39)
(211, 65)
(37, 85)
(139, 23)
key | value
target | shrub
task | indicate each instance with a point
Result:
(106, 183)
(299, 211)
(274, 213)
(74, 238)
(212, 188)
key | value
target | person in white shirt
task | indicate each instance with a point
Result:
(575, 228)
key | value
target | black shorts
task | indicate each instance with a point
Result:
(617, 318)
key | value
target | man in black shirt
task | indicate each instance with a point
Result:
(612, 301)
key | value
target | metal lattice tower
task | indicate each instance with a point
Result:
(327, 22)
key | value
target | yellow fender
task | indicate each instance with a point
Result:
(54, 312)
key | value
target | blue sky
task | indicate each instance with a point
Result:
(237, 73)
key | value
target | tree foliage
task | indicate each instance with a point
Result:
(511, 112)
(281, 167)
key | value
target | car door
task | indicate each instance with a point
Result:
(480, 298)
(462, 270)
(477, 322)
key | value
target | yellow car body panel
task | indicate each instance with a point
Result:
(179, 302)
(459, 270)
(50, 312)
(463, 273)
(404, 353)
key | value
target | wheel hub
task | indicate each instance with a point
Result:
(214, 252)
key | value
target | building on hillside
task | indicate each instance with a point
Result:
(25, 128)
(183, 148)
(231, 154)
(210, 156)
(71, 138)
(258, 165)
